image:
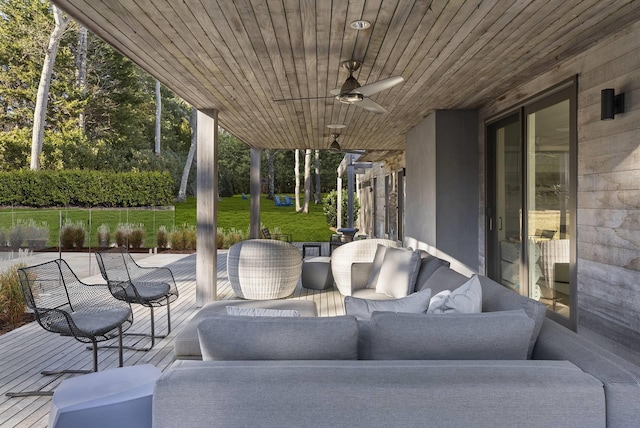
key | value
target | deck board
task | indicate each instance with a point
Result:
(26, 351)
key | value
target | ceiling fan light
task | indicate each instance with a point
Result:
(350, 98)
(335, 146)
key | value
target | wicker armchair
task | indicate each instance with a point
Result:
(263, 269)
(146, 286)
(359, 251)
(65, 305)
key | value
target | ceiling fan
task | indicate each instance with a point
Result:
(351, 92)
(336, 148)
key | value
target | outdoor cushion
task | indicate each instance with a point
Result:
(261, 312)
(428, 266)
(224, 337)
(444, 278)
(378, 259)
(398, 273)
(466, 299)
(486, 336)
(363, 308)
(496, 297)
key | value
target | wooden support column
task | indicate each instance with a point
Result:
(254, 189)
(350, 189)
(207, 207)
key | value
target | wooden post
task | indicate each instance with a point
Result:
(350, 190)
(339, 203)
(207, 212)
(255, 156)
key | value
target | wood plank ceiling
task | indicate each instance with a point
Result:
(238, 56)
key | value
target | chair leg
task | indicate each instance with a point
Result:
(153, 335)
(120, 359)
(56, 373)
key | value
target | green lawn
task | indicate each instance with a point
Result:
(233, 212)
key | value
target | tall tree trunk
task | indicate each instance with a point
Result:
(81, 65)
(271, 157)
(318, 194)
(296, 171)
(42, 99)
(156, 148)
(307, 180)
(182, 193)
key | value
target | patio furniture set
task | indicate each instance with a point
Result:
(428, 345)
(419, 342)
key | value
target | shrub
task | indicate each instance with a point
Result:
(162, 238)
(36, 235)
(122, 234)
(72, 235)
(3, 237)
(183, 238)
(136, 237)
(16, 236)
(103, 236)
(12, 306)
(220, 239)
(330, 207)
(86, 188)
(79, 235)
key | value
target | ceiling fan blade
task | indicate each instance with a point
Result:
(300, 99)
(379, 86)
(335, 91)
(372, 106)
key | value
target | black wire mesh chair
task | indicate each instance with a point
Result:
(65, 305)
(146, 286)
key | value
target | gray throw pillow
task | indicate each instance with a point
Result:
(378, 259)
(485, 336)
(224, 337)
(466, 299)
(398, 272)
(428, 266)
(260, 312)
(363, 308)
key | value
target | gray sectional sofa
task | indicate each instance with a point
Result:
(393, 370)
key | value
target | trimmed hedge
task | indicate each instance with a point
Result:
(85, 188)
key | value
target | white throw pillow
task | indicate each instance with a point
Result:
(363, 308)
(398, 273)
(466, 299)
(378, 259)
(260, 312)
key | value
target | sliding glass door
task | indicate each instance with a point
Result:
(531, 201)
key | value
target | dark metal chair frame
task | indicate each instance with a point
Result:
(65, 305)
(279, 236)
(147, 286)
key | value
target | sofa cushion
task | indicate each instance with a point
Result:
(363, 308)
(186, 344)
(398, 272)
(485, 336)
(466, 299)
(224, 337)
(261, 312)
(376, 265)
(369, 294)
(444, 278)
(428, 266)
(496, 297)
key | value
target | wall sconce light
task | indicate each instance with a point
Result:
(610, 104)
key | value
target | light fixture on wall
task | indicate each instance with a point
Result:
(610, 104)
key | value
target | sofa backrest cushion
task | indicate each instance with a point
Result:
(485, 336)
(428, 265)
(496, 297)
(444, 278)
(397, 277)
(261, 312)
(226, 337)
(363, 308)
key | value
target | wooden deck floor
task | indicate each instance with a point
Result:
(28, 350)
